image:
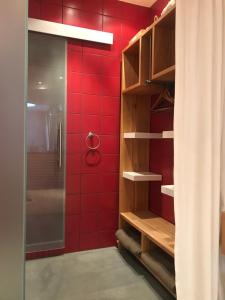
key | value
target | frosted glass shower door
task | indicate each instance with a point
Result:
(45, 142)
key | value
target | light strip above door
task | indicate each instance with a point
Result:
(70, 31)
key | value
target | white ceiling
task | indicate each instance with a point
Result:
(146, 3)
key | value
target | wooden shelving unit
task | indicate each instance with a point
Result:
(146, 64)
(163, 53)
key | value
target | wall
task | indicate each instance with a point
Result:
(12, 158)
(93, 105)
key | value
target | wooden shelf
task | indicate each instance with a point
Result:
(158, 230)
(163, 58)
(131, 65)
(168, 135)
(138, 89)
(148, 135)
(142, 135)
(168, 190)
(142, 176)
(165, 75)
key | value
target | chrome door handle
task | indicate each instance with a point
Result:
(60, 144)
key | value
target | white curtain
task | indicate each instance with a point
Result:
(199, 171)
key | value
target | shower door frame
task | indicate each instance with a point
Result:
(31, 250)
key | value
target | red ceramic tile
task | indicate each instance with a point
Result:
(107, 238)
(73, 204)
(110, 182)
(102, 49)
(73, 143)
(95, 48)
(112, 25)
(92, 84)
(34, 9)
(93, 6)
(91, 104)
(90, 203)
(110, 163)
(110, 144)
(72, 233)
(133, 12)
(110, 65)
(91, 161)
(74, 82)
(58, 2)
(110, 106)
(73, 184)
(51, 12)
(90, 183)
(74, 103)
(91, 123)
(110, 125)
(89, 223)
(162, 121)
(73, 165)
(158, 6)
(168, 208)
(73, 123)
(78, 4)
(145, 17)
(161, 160)
(42, 254)
(75, 61)
(110, 86)
(108, 202)
(89, 241)
(129, 29)
(75, 45)
(108, 220)
(115, 49)
(80, 18)
(72, 17)
(113, 8)
(93, 63)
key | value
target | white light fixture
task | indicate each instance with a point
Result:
(70, 31)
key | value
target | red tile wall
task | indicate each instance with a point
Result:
(93, 104)
(161, 162)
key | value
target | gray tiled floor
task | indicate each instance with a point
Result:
(102, 274)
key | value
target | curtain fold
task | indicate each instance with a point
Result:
(198, 165)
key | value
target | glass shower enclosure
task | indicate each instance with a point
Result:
(45, 142)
